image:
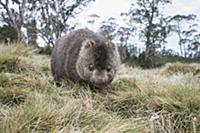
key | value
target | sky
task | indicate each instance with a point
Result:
(113, 8)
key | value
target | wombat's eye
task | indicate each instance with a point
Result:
(108, 68)
(91, 67)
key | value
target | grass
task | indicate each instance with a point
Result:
(164, 100)
(182, 68)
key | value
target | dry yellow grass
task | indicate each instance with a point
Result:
(156, 100)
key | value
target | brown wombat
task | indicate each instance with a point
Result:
(85, 56)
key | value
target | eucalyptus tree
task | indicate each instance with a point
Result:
(151, 24)
(185, 28)
(13, 13)
(56, 17)
(48, 19)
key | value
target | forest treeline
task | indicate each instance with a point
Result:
(145, 23)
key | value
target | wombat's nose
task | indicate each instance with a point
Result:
(98, 73)
(101, 80)
(100, 77)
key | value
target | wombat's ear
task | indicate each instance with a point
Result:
(110, 44)
(88, 43)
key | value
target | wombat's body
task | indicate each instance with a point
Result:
(85, 56)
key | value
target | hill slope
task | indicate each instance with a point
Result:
(159, 100)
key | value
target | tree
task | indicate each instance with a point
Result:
(152, 25)
(123, 36)
(181, 25)
(194, 47)
(22, 16)
(14, 17)
(109, 28)
(120, 34)
(32, 32)
(54, 18)
(48, 19)
(92, 20)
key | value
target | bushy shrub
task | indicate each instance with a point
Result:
(150, 62)
(8, 34)
(45, 50)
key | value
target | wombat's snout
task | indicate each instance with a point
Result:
(100, 78)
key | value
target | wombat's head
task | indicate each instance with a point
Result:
(98, 61)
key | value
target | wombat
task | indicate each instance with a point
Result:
(85, 56)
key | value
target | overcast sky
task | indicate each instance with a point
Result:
(113, 8)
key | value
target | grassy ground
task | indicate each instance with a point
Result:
(164, 100)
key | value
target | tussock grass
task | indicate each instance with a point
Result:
(182, 68)
(162, 100)
(10, 58)
(16, 49)
(12, 96)
(30, 81)
(8, 63)
(43, 113)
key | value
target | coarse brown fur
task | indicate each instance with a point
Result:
(85, 56)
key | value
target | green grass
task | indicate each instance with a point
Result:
(164, 100)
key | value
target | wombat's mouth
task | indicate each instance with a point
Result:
(101, 85)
